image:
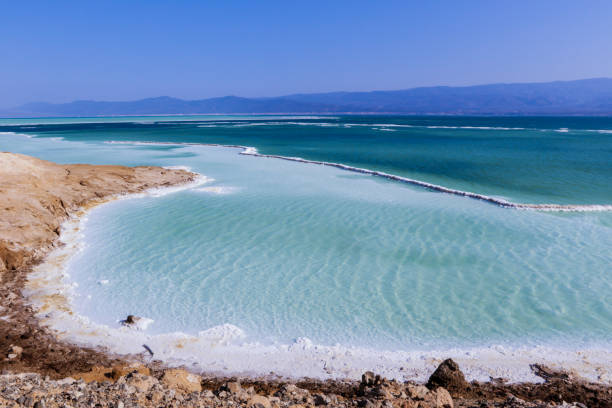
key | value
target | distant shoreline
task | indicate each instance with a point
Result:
(326, 114)
(558, 98)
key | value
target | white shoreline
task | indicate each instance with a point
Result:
(224, 350)
(252, 151)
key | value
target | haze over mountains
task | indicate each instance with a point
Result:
(580, 97)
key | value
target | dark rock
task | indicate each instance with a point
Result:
(369, 379)
(321, 399)
(548, 373)
(365, 403)
(447, 375)
(381, 392)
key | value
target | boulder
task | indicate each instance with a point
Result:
(440, 398)
(447, 375)
(418, 392)
(182, 380)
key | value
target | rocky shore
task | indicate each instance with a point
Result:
(140, 386)
(38, 370)
(36, 197)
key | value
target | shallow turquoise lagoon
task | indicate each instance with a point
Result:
(286, 250)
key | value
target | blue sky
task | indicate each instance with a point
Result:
(58, 51)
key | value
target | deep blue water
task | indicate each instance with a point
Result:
(563, 160)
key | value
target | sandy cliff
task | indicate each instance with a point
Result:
(36, 196)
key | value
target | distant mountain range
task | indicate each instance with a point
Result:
(581, 97)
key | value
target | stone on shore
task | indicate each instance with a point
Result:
(417, 391)
(439, 398)
(131, 320)
(449, 376)
(369, 379)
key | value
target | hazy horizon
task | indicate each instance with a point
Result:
(119, 51)
(306, 93)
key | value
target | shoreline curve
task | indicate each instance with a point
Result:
(252, 151)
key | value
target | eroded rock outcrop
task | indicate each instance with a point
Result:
(38, 195)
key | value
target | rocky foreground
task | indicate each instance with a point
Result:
(40, 371)
(140, 386)
(36, 197)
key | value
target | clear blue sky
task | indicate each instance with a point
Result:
(58, 51)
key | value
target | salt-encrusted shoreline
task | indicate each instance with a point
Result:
(227, 350)
(500, 202)
(37, 196)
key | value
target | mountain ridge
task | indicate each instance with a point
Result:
(585, 96)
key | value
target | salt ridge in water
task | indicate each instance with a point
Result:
(252, 151)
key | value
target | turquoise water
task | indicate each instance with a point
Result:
(286, 250)
(524, 159)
